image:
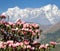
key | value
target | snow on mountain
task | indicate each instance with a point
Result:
(46, 15)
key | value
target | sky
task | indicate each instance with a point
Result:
(5, 4)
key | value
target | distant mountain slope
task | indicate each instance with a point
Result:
(44, 27)
(54, 36)
(53, 28)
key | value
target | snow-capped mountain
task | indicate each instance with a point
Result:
(46, 15)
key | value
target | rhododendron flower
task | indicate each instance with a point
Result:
(24, 47)
(26, 42)
(17, 44)
(3, 46)
(10, 45)
(42, 46)
(3, 16)
(2, 22)
(1, 43)
(18, 23)
(14, 45)
(13, 25)
(25, 25)
(21, 44)
(7, 25)
(53, 43)
(10, 42)
(0, 46)
(25, 29)
(33, 34)
(33, 24)
(32, 48)
(47, 45)
(30, 26)
(16, 28)
(10, 23)
(13, 29)
(30, 30)
(37, 30)
(28, 46)
(35, 42)
(5, 43)
(36, 25)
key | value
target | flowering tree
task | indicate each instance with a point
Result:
(20, 36)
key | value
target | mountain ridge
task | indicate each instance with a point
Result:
(45, 15)
(52, 28)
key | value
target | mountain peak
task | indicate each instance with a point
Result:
(49, 7)
(46, 15)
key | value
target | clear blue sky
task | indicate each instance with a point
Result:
(5, 4)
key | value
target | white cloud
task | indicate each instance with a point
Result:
(46, 14)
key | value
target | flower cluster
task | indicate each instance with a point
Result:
(25, 46)
(19, 30)
(20, 36)
(2, 16)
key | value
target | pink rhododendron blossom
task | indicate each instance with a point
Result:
(35, 42)
(25, 25)
(47, 45)
(42, 46)
(3, 46)
(18, 23)
(21, 44)
(37, 30)
(10, 42)
(26, 42)
(33, 34)
(10, 23)
(10, 45)
(24, 47)
(3, 15)
(53, 43)
(32, 48)
(17, 44)
(14, 45)
(28, 46)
